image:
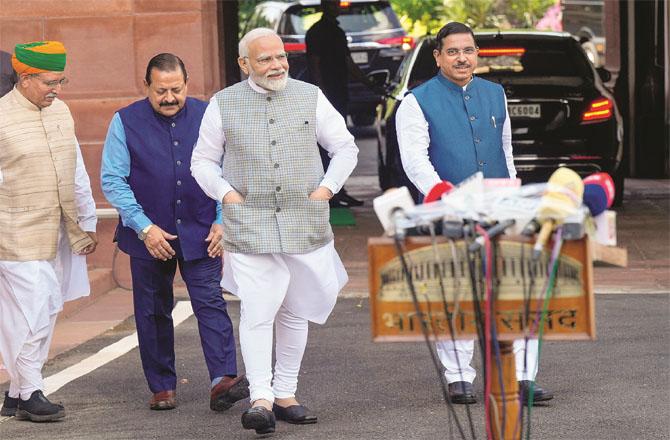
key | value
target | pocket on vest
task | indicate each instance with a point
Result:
(316, 221)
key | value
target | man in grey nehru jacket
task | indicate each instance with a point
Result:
(279, 257)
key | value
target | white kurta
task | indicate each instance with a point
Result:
(414, 140)
(33, 292)
(285, 290)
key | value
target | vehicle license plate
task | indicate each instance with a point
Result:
(359, 57)
(524, 110)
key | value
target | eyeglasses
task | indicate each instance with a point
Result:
(452, 51)
(264, 61)
(53, 83)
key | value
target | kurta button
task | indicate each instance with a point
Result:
(179, 221)
(276, 165)
(179, 162)
(278, 209)
(268, 98)
(477, 140)
(175, 143)
(178, 201)
(278, 188)
(467, 97)
(178, 182)
(273, 143)
(173, 125)
(472, 118)
(481, 164)
(272, 121)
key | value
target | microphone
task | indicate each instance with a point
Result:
(492, 232)
(605, 181)
(563, 197)
(437, 191)
(595, 198)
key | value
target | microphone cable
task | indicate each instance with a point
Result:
(450, 324)
(424, 329)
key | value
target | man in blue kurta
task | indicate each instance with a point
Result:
(449, 128)
(167, 221)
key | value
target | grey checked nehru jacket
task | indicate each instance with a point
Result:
(272, 159)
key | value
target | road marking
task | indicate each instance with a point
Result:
(180, 313)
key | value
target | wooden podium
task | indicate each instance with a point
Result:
(570, 313)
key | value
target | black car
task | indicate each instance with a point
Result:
(376, 41)
(561, 113)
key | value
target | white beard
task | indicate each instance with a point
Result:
(270, 84)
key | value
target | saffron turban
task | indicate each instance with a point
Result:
(38, 57)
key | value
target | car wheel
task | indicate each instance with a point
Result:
(363, 119)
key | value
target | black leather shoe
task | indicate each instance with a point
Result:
(39, 409)
(346, 198)
(296, 414)
(9, 406)
(461, 393)
(227, 392)
(539, 394)
(260, 419)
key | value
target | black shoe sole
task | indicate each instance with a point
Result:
(25, 415)
(258, 423)
(462, 400)
(544, 398)
(236, 393)
(299, 422)
(4, 412)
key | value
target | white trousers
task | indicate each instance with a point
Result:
(452, 355)
(31, 295)
(285, 291)
(24, 347)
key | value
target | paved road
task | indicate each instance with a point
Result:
(613, 388)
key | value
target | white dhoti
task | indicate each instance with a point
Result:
(31, 295)
(460, 354)
(286, 289)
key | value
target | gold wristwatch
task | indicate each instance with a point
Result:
(143, 233)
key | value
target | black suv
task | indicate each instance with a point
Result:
(376, 41)
(561, 113)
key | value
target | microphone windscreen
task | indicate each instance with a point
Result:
(604, 180)
(563, 196)
(436, 192)
(595, 198)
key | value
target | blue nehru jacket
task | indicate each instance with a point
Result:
(465, 127)
(146, 176)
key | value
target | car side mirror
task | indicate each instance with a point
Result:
(604, 74)
(379, 77)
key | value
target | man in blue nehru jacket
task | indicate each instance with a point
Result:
(449, 128)
(167, 221)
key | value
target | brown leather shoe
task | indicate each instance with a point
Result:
(227, 392)
(163, 400)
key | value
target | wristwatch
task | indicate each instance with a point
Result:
(142, 235)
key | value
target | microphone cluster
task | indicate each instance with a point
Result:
(501, 204)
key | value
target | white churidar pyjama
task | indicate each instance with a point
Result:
(31, 295)
(285, 291)
(452, 355)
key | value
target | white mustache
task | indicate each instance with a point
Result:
(51, 95)
(275, 72)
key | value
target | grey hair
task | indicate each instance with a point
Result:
(250, 36)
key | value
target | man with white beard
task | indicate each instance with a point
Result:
(279, 255)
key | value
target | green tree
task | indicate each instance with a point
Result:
(525, 13)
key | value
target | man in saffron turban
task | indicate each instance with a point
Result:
(47, 219)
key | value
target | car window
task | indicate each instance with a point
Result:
(519, 58)
(357, 17)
